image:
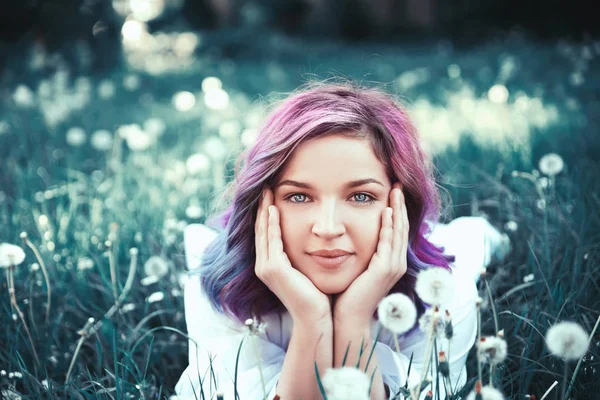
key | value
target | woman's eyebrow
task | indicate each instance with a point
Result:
(351, 184)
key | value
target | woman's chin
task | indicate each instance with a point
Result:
(331, 287)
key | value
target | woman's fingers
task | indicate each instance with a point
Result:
(260, 237)
(275, 243)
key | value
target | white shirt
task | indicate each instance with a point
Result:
(472, 240)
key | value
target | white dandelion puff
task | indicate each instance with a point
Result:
(85, 263)
(157, 266)
(492, 350)
(487, 393)
(155, 126)
(511, 226)
(75, 136)
(155, 297)
(435, 285)
(10, 255)
(24, 97)
(567, 340)
(197, 163)
(106, 89)
(346, 383)
(128, 307)
(551, 164)
(149, 280)
(102, 140)
(397, 313)
(439, 323)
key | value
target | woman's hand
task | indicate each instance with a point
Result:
(297, 293)
(359, 302)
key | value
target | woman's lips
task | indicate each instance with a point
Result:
(330, 262)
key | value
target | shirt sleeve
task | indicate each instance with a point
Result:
(215, 339)
(473, 241)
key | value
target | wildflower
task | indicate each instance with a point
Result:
(487, 393)
(76, 136)
(551, 164)
(511, 226)
(131, 82)
(439, 325)
(149, 280)
(255, 326)
(10, 255)
(156, 265)
(528, 278)
(155, 126)
(24, 97)
(397, 313)
(215, 148)
(346, 383)
(194, 211)
(197, 163)
(106, 89)
(127, 307)
(443, 365)
(18, 375)
(3, 373)
(45, 383)
(11, 375)
(435, 285)
(567, 340)
(492, 349)
(35, 267)
(449, 328)
(156, 296)
(85, 263)
(102, 140)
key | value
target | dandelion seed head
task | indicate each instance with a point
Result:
(487, 393)
(133, 251)
(567, 340)
(157, 266)
(397, 313)
(156, 297)
(511, 226)
(492, 350)
(551, 164)
(23, 235)
(346, 383)
(10, 255)
(149, 280)
(430, 317)
(435, 285)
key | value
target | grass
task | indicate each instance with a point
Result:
(70, 201)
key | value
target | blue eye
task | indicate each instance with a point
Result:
(366, 198)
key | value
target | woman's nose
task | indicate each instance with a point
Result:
(328, 222)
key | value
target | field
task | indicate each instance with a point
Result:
(97, 161)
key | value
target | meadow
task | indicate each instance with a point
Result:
(102, 168)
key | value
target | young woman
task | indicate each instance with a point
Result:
(335, 207)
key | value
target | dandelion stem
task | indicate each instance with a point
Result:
(396, 343)
(489, 292)
(479, 373)
(38, 256)
(549, 390)
(113, 270)
(413, 391)
(79, 344)
(564, 383)
(581, 358)
(13, 298)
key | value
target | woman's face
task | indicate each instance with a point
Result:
(321, 209)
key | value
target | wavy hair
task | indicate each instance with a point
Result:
(313, 111)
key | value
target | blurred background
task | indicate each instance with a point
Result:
(121, 121)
